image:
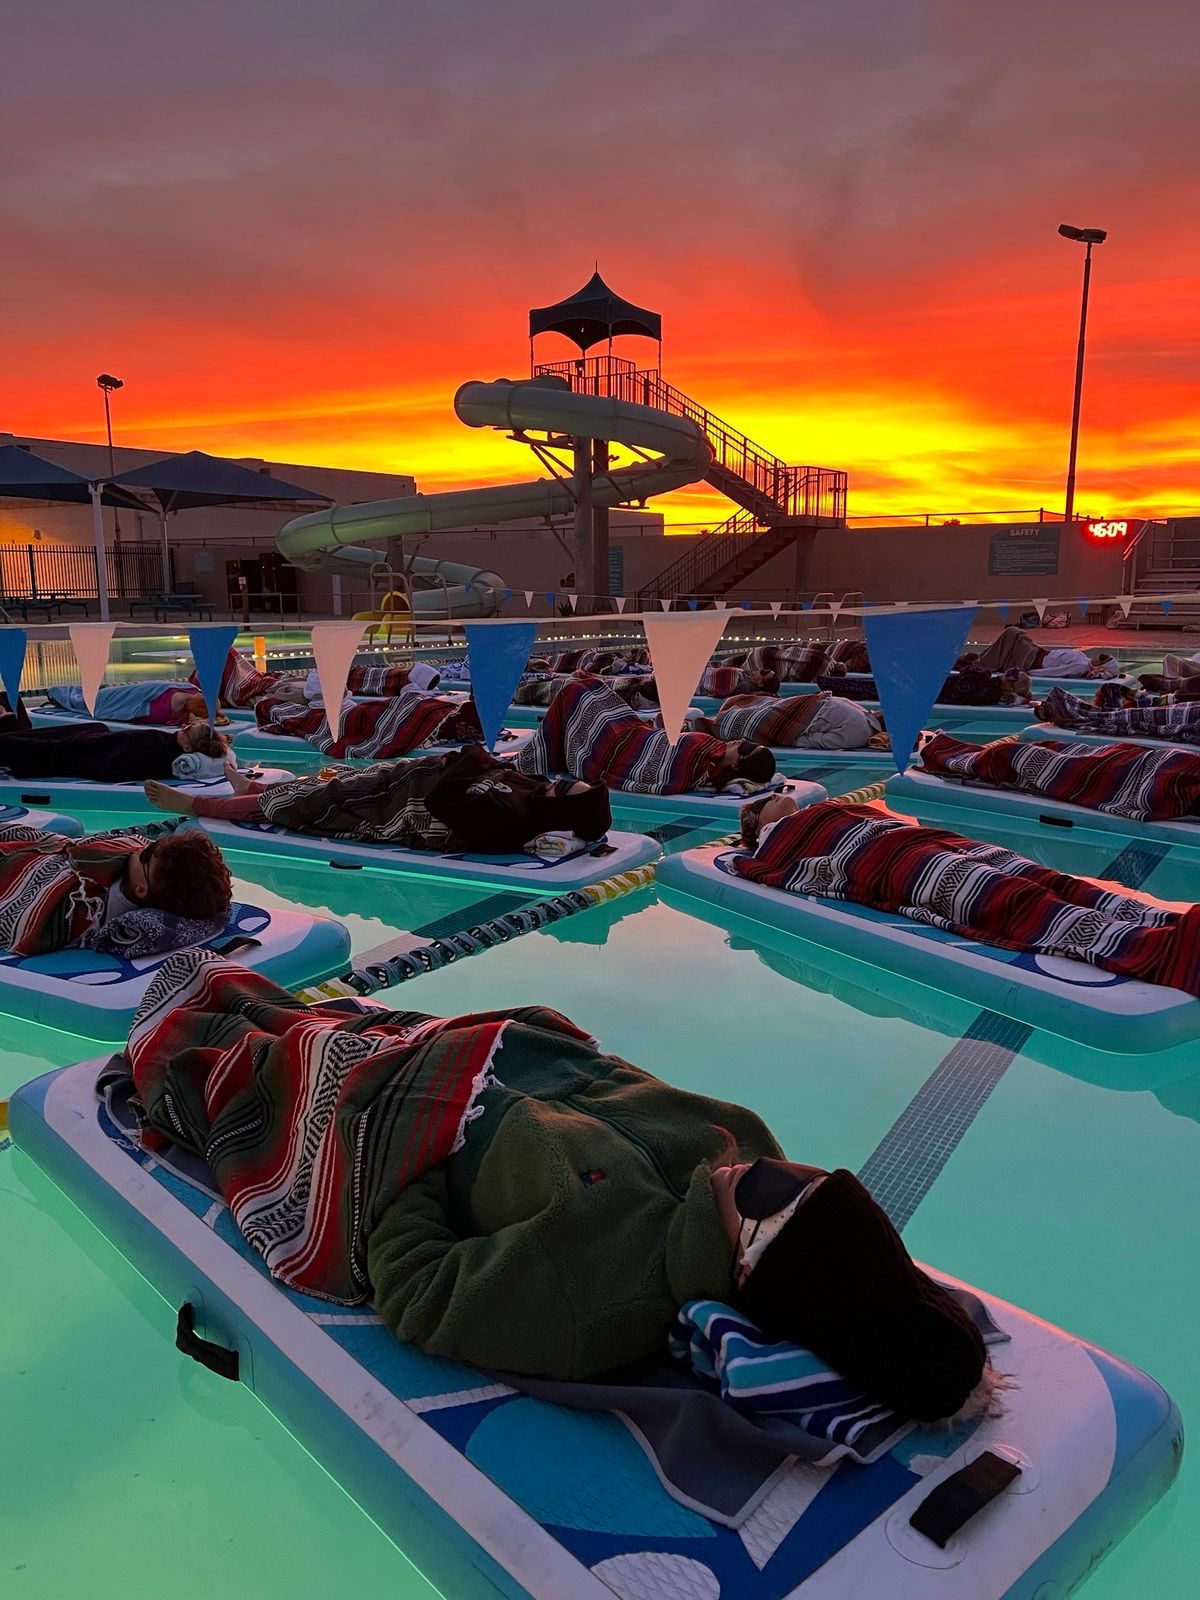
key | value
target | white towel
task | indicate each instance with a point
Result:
(550, 846)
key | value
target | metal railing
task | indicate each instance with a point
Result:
(783, 490)
(36, 572)
(689, 572)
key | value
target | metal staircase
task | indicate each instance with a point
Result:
(780, 501)
(1166, 558)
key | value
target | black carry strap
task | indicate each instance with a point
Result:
(957, 1499)
(239, 941)
(213, 1356)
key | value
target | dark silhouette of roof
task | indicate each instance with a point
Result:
(196, 479)
(593, 314)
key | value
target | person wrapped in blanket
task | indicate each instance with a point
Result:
(1124, 713)
(121, 894)
(1180, 676)
(524, 1201)
(590, 733)
(819, 721)
(100, 754)
(465, 800)
(153, 701)
(967, 685)
(1012, 647)
(977, 891)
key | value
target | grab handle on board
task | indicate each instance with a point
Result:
(213, 1356)
(956, 1499)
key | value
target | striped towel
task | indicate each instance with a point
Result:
(767, 1379)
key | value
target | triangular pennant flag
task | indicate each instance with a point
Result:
(834, 607)
(746, 604)
(573, 601)
(680, 646)
(620, 599)
(496, 658)
(776, 607)
(911, 653)
(806, 605)
(210, 648)
(1166, 605)
(550, 600)
(90, 641)
(13, 644)
(721, 605)
(334, 646)
(665, 604)
(1040, 607)
(692, 604)
(1082, 607)
(1002, 613)
(1125, 602)
(507, 596)
(528, 597)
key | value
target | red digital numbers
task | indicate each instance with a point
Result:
(1107, 530)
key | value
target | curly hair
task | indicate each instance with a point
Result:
(207, 742)
(188, 876)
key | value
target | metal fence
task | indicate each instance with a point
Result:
(37, 572)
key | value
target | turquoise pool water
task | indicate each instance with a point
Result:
(1073, 1193)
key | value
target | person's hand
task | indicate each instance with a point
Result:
(167, 799)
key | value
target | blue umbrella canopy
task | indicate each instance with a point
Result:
(197, 479)
(24, 476)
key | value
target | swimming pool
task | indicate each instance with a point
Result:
(1064, 1182)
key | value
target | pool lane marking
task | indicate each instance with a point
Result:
(909, 1159)
(1134, 864)
(492, 905)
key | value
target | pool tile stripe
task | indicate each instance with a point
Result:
(1136, 862)
(909, 1158)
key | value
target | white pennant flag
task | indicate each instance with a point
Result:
(776, 607)
(721, 605)
(1125, 601)
(665, 604)
(1040, 607)
(528, 593)
(680, 646)
(620, 599)
(834, 607)
(90, 641)
(572, 601)
(334, 645)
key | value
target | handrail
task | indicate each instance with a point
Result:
(688, 571)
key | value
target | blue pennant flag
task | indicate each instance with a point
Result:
(13, 642)
(806, 605)
(507, 596)
(746, 604)
(1166, 605)
(496, 658)
(550, 599)
(1002, 613)
(911, 653)
(1082, 607)
(692, 604)
(210, 646)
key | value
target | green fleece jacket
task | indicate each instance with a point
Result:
(578, 1217)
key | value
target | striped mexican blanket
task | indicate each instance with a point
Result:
(1178, 721)
(52, 890)
(766, 1378)
(240, 682)
(978, 891)
(722, 681)
(382, 681)
(538, 688)
(311, 1120)
(590, 733)
(375, 729)
(385, 804)
(795, 663)
(1126, 780)
(766, 719)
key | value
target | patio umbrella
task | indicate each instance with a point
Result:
(181, 482)
(24, 476)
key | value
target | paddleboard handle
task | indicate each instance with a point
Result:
(213, 1356)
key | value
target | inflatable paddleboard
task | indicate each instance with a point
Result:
(85, 794)
(1048, 730)
(917, 789)
(724, 808)
(1063, 996)
(616, 852)
(494, 1494)
(45, 821)
(85, 992)
(254, 742)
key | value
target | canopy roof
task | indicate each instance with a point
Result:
(197, 479)
(594, 314)
(24, 476)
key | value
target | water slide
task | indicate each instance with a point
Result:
(342, 538)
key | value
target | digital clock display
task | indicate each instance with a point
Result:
(1107, 530)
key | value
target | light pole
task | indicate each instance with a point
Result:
(1089, 237)
(108, 383)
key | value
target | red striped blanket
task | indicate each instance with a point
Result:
(375, 729)
(1126, 780)
(590, 733)
(240, 682)
(722, 681)
(765, 718)
(978, 891)
(311, 1120)
(1177, 722)
(52, 889)
(382, 681)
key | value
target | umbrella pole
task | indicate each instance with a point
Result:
(166, 551)
(101, 562)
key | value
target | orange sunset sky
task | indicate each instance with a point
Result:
(294, 229)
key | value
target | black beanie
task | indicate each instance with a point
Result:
(588, 814)
(838, 1281)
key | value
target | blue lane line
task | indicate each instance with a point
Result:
(1136, 862)
(911, 1155)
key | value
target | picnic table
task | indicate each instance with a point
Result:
(164, 604)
